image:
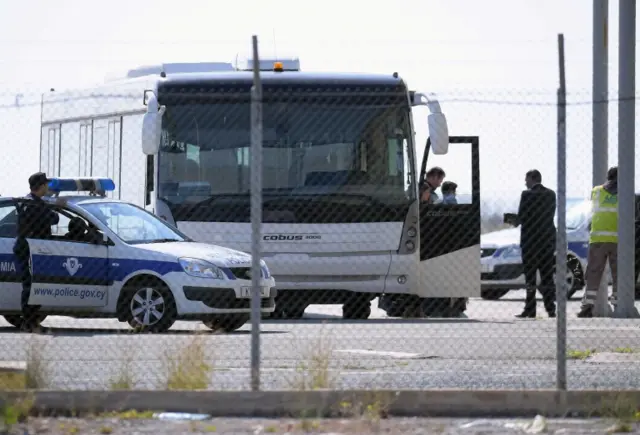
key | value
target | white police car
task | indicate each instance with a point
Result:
(109, 258)
(501, 261)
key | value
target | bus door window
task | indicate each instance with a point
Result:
(457, 167)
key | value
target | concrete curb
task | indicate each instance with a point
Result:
(432, 403)
(13, 366)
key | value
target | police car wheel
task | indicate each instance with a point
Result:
(16, 320)
(226, 322)
(574, 278)
(150, 308)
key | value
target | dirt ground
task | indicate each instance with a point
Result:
(71, 426)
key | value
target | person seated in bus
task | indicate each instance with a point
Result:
(448, 190)
(433, 180)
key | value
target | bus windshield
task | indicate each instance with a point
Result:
(353, 151)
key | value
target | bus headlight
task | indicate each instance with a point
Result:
(411, 232)
(410, 245)
(200, 268)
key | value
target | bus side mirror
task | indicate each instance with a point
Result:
(438, 128)
(152, 126)
(438, 133)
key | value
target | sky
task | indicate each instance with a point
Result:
(493, 63)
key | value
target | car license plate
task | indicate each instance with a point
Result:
(486, 268)
(245, 292)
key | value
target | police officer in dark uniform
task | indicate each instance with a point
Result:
(34, 222)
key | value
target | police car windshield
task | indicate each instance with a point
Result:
(132, 224)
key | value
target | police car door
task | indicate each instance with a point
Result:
(10, 283)
(67, 272)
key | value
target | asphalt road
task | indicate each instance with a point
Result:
(488, 350)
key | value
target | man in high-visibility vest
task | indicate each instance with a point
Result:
(603, 241)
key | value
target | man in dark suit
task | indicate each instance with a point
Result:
(537, 242)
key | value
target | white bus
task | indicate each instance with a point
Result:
(342, 222)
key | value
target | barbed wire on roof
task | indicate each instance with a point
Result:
(20, 103)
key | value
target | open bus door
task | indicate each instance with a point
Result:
(449, 268)
(450, 233)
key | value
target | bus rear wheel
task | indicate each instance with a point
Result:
(356, 310)
(443, 307)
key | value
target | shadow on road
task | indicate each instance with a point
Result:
(320, 319)
(521, 299)
(84, 332)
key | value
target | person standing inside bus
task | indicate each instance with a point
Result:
(448, 190)
(428, 187)
(537, 242)
(35, 219)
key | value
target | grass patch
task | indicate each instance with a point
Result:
(13, 380)
(580, 354)
(69, 429)
(309, 425)
(624, 411)
(124, 379)
(131, 414)
(370, 410)
(189, 367)
(620, 427)
(195, 426)
(625, 350)
(15, 412)
(356, 367)
(37, 373)
(313, 372)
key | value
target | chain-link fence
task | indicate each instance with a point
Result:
(380, 270)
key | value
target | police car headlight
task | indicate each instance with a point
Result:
(200, 268)
(512, 252)
(265, 270)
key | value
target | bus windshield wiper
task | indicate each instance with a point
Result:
(222, 196)
(328, 196)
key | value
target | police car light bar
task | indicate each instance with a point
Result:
(93, 185)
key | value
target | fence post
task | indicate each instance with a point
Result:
(600, 123)
(256, 216)
(626, 282)
(561, 248)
